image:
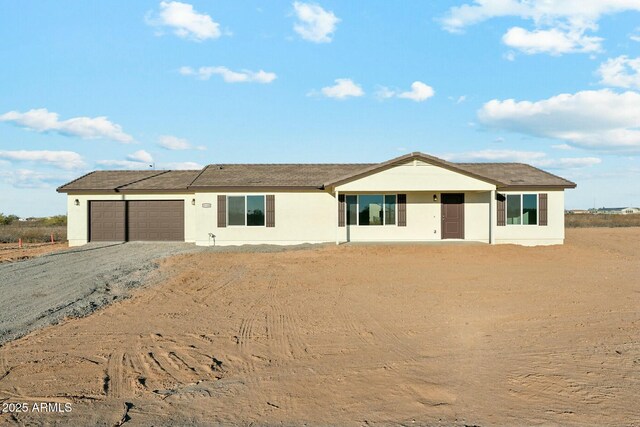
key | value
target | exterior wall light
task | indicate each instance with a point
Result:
(435, 197)
(193, 202)
(76, 202)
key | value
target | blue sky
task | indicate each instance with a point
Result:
(121, 84)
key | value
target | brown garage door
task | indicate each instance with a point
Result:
(157, 220)
(107, 221)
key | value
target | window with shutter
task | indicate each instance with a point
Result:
(222, 211)
(501, 207)
(542, 200)
(402, 210)
(271, 210)
(341, 210)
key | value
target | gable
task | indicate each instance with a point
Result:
(416, 175)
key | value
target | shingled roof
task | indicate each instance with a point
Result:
(517, 175)
(274, 175)
(300, 176)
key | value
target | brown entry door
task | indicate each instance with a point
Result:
(107, 221)
(155, 220)
(452, 215)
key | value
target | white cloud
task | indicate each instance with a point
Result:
(314, 23)
(496, 156)
(620, 72)
(602, 120)
(553, 41)
(534, 158)
(419, 92)
(568, 163)
(563, 147)
(26, 178)
(170, 142)
(186, 22)
(635, 35)
(182, 165)
(559, 26)
(122, 164)
(59, 159)
(344, 88)
(41, 120)
(141, 156)
(229, 76)
(583, 13)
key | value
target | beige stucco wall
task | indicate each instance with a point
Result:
(424, 220)
(532, 235)
(300, 217)
(78, 216)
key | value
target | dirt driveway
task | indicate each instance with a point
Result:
(354, 335)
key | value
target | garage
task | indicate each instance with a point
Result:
(155, 220)
(136, 220)
(107, 221)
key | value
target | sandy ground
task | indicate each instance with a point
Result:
(354, 335)
(10, 253)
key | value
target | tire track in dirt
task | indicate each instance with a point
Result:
(291, 344)
(114, 383)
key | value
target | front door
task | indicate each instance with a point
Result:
(452, 215)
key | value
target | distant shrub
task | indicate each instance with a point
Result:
(55, 220)
(601, 220)
(7, 219)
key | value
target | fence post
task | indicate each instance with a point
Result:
(19, 243)
(51, 237)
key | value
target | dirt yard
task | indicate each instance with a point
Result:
(354, 335)
(9, 252)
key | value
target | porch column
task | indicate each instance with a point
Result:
(492, 217)
(337, 211)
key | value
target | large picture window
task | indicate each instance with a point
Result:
(522, 209)
(245, 210)
(371, 209)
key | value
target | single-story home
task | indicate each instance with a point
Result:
(618, 211)
(412, 198)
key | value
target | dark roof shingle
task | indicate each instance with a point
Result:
(274, 175)
(504, 175)
(516, 174)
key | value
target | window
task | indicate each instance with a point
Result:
(245, 210)
(370, 212)
(390, 209)
(522, 209)
(352, 210)
(255, 210)
(371, 209)
(529, 209)
(235, 206)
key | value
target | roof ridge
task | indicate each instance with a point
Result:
(142, 179)
(198, 175)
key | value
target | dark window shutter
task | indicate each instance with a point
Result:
(271, 210)
(222, 211)
(341, 210)
(542, 202)
(501, 209)
(402, 210)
